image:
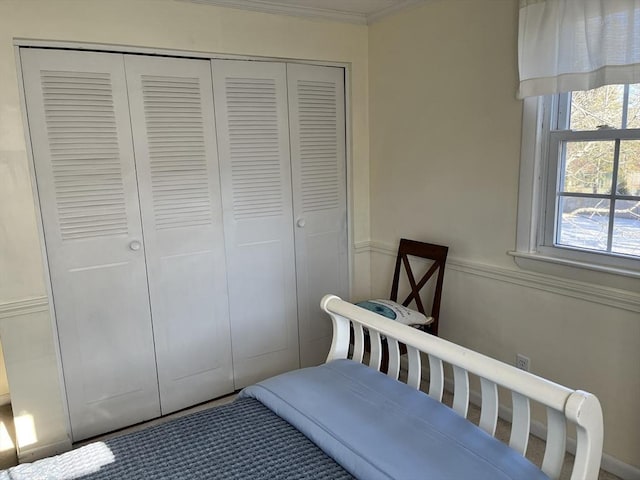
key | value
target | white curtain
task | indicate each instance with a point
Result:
(566, 45)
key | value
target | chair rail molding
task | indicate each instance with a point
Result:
(362, 247)
(24, 307)
(623, 299)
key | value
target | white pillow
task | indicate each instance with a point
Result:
(395, 311)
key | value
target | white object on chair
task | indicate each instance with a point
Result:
(395, 311)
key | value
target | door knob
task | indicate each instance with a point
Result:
(135, 245)
(301, 222)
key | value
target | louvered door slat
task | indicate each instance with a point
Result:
(174, 104)
(316, 103)
(68, 135)
(253, 133)
(317, 108)
(81, 136)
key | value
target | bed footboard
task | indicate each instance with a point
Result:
(563, 405)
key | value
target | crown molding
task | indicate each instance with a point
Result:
(275, 7)
(380, 14)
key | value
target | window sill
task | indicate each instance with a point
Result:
(603, 275)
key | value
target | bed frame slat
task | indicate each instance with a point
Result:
(394, 358)
(376, 350)
(460, 391)
(489, 410)
(414, 374)
(436, 378)
(358, 342)
(564, 405)
(520, 423)
(556, 444)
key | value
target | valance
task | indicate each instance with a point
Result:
(566, 45)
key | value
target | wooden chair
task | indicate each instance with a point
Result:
(437, 255)
(430, 252)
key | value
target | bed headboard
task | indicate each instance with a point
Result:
(563, 405)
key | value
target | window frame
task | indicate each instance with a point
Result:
(539, 170)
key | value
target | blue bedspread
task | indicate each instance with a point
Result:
(377, 428)
(243, 440)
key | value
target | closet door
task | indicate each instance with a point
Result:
(81, 138)
(173, 128)
(253, 142)
(317, 121)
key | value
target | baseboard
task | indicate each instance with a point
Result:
(608, 463)
(620, 469)
(539, 430)
(27, 455)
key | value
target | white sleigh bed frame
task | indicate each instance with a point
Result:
(344, 420)
(563, 405)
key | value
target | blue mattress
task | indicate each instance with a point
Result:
(377, 428)
(336, 421)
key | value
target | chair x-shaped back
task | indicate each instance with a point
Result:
(436, 253)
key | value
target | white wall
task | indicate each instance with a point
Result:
(445, 149)
(167, 24)
(445, 141)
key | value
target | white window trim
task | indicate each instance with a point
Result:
(530, 252)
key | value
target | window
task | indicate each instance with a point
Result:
(594, 171)
(580, 179)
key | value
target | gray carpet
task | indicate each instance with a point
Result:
(241, 440)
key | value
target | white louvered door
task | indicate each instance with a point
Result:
(177, 166)
(252, 127)
(177, 276)
(317, 125)
(79, 122)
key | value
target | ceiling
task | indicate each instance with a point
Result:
(350, 11)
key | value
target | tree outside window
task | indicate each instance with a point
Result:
(597, 194)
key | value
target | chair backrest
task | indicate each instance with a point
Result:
(428, 251)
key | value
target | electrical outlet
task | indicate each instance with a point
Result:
(522, 362)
